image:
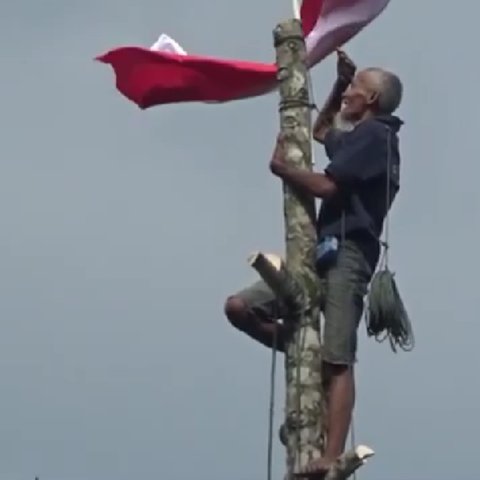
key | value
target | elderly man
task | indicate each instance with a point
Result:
(363, 170)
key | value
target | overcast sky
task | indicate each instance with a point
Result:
(123, 231)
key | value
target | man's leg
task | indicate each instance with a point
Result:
(346, 285)
(253, 311)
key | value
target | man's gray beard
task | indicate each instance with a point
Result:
(340, 124)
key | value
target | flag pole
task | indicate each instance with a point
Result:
(297, 15)
(296, 9)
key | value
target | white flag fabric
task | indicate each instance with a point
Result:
(167, 44)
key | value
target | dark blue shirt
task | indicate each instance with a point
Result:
(360, 163)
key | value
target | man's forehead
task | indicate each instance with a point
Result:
(368, 77)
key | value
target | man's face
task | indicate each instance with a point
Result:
(359, 97)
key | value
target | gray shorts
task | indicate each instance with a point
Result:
(344, 286)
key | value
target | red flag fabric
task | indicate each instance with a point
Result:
(166, 74)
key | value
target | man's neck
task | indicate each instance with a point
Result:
(343, 125)
(350, 125)
(366, 116)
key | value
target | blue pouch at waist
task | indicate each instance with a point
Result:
(326, 253)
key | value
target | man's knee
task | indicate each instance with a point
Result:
(330, 369)
(236, 310)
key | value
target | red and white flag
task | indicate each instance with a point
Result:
(165, 73)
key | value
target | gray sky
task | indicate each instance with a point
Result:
(123, 231)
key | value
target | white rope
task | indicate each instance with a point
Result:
(271, 409)
(311, 96)
(353, 440)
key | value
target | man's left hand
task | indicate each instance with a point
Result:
(346, 68)
(278, 165)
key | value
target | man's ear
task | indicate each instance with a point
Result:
(373, 98)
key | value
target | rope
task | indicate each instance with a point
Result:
(313, 107)
(271, 412)
(352, 421)
(386, 316)
(300, 343)
(353, 441)
(298, 352)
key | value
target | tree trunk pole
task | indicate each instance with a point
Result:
(304, 410)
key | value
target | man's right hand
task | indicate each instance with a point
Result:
(346, 68)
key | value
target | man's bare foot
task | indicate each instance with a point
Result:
(316, 469)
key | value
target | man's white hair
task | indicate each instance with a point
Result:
(389, 89)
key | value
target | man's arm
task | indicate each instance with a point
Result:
(326, 118)
(316, 184)
(361, 159)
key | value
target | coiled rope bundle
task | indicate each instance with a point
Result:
(386, 316)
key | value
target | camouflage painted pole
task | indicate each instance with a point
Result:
(304, 406)
(295, 282)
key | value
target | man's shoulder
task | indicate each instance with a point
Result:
(380, 126)
(373, 128)
(366, 137)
